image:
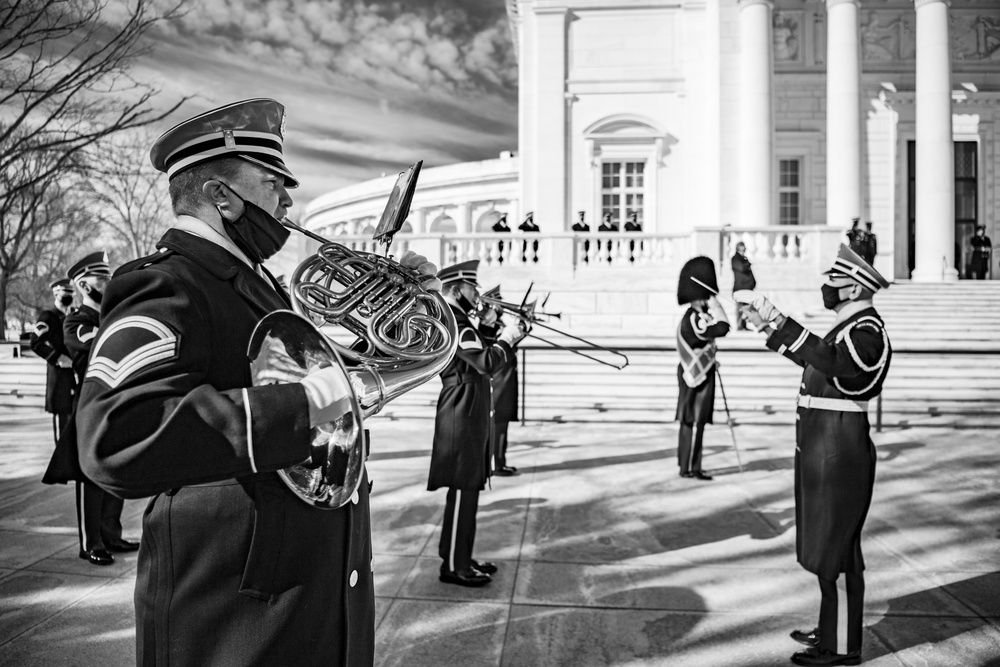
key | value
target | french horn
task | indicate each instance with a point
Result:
(387, 334)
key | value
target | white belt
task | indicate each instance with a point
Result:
(835, 404)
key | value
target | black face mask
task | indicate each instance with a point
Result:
(831, 296)
(66, 300)
(467, 306)
(256, 232)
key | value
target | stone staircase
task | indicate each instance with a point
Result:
(945, 369)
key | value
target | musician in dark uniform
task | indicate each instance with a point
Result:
(504, 383)
(529, 227)
(234, 568)
(704, 321)
(461, 458)
(835, 456)
(98, 513)
(46, 340)
(580, 227)
(982, 249)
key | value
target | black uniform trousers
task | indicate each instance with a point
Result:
(458, 534)
(59, 422)
(500, 433)
(98, 516)
(694, 410)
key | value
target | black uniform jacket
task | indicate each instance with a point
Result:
(46, 340)
(233, 568)
(695, 405)
(79, 331)
(835, 456)
(463, 428)
(505, 380)
(742, 273)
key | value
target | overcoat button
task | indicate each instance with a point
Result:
(354, 578)
(354, 498)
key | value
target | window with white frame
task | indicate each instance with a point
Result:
(622, 189)
(789, 191)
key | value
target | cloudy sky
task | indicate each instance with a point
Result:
(369, 86)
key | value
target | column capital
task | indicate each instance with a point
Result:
(917, 4)
(833, 3)
(746, 3)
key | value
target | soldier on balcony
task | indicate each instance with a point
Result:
(607, 226)
(529, 227)
(581, 227)
(500, 227)
(633, 225)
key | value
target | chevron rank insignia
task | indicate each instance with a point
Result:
(128, 346)
(41, 328)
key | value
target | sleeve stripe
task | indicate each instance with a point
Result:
(246, 406)
(84, 337)
(800, 341)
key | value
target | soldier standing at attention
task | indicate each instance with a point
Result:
(529, 227)
(504, 381)
(704, 321)
(461, 458)
(99, 514)
(46, 341)
(856, 238)
(834, 453)
(580, 227)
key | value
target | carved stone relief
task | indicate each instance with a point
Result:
(888, 36)
(787, 43)
(975, 37)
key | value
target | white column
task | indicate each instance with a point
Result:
(756, 114)
(418, 219)
(550, 120)
(463, 218)
(843, 114)
(935, 214)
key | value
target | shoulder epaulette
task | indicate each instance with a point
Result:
(143, 262)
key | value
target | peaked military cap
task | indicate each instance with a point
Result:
(61, 285)
(253, 130)
(94, 264)
(467, 272)
(849, 264)
(688, 290)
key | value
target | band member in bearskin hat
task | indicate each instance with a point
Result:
(834, 453)
(704, 321)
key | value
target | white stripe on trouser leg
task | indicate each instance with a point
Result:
(454, 529)
(81, 515)
(841, 615)
(694, 436)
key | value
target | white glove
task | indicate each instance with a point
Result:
(759, 303)
(427, 269)
(512, 333)
(329, 395)
(64, 362)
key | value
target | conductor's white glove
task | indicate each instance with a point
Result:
(328, 393)
(512, 333)
(423, 266)
(759, 303)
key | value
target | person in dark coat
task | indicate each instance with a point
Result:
(581, 227)
(743, 279)
(982, 249)
(46, 340)
(704, 321)
(856, 238)
(504, 383)
(98, 513)
(461, 458)
(834, 453)
(870, 245)
(607, 225)
(632, 224)
(501, 227)
(234, 567)
(529, 227)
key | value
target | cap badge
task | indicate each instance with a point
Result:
(230, 140)
(281, 130)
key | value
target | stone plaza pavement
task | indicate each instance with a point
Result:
(606, 556)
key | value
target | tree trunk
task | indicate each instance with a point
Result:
(3, 305)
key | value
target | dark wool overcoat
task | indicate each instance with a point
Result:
(234, 569)
(463, 428)
(46, 340)
(835, 456)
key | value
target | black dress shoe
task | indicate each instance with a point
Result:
(486, 567)
(507, 471)
(807, 637)
(472, 578)
(98, 557)
(121, 545)
(700, 474)
(823, 658)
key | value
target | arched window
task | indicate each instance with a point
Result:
(487, 220)
(406, 228)
(443, 225)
